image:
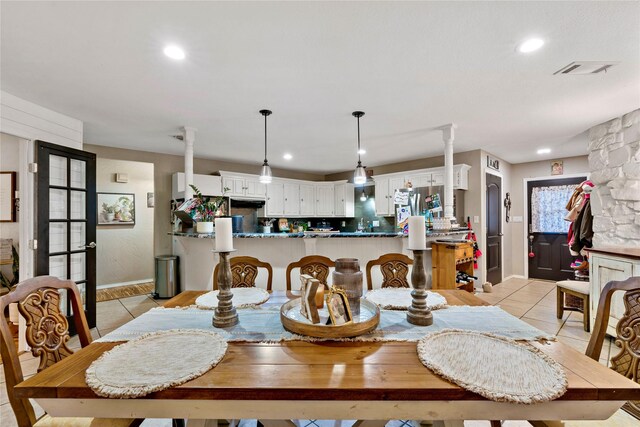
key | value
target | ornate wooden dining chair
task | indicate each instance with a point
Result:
(244, 270)
(47, 333)
(394, 268)
(627, 361)
(317, 266)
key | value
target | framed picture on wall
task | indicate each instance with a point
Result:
(116, 209)
(7, 196)
(556, 167)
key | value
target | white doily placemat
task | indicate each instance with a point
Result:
(242, 297)
(400, 299)
(496, 368)
(149, 363)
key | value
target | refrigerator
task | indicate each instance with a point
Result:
(416, 201)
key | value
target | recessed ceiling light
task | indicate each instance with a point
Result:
(530, 45)
(174, 52)
(544, 151)
(287, 156)
(362, 151)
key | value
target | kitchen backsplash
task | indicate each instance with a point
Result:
(364, 210)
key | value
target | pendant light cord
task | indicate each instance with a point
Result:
(265, 138)
(359, 162)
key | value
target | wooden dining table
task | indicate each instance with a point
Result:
(326, 380)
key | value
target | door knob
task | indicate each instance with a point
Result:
(91, 245)
(500, 234)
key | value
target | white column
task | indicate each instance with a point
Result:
(448, 136)
(189, 138)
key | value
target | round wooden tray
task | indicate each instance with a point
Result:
(295, 322)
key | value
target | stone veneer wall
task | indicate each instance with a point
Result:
(614, 161)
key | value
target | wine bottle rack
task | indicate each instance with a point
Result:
(446, 260)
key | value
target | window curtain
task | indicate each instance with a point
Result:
(548, 208)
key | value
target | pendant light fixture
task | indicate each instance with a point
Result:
(265, 172)
(359, 176)
(363, 197)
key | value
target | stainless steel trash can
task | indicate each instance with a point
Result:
(167, 285)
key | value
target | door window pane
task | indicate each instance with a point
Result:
(57, 237)
(548, 208)
(78, 235)
(78, 268)
(78, 173)
(57, 170)
(63, 301)
(78, 205)
(57, 204)
(82, 288)
(58, 266)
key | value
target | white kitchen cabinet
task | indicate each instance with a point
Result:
(240, 186)
(384, 192)
(307, 200)
(437, 178)
(324, 200)
(254, 188)
(291, 199)
(604, 268)
(382, 197)
(344, 204)
(275, 199)
(209, 185)
(420, 180)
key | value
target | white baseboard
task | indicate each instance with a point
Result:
(133, 282)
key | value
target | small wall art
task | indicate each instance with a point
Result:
(116, 209)
(7, 197)
(557, 167)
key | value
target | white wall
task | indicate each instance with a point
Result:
(125, 253)
(9, 162)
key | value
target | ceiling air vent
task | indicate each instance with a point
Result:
(586, 67)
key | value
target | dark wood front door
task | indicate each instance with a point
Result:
(66, 220)
(494, 229)
(546, 201)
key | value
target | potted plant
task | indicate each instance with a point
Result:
(109, 212)
(207, 209)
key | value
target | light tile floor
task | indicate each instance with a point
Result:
(533, 301)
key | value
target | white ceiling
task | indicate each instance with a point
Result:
(410, 66)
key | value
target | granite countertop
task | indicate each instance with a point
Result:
(312, 235)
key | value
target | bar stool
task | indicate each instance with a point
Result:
(578, 289)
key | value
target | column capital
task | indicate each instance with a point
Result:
(448, 132)
(189, 134)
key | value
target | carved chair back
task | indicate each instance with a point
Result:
(394, 268)
(244, 270)
(314, 265)
(47, 332)
(627, 361)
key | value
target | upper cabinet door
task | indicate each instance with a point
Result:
(382, 197)
(324, 200)
(307, 200)
(275, 199)
(254, 188)
(340, 193)
(437, 178)
(421, 180)
(291, 199)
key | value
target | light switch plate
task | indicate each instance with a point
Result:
(376, 223)
(516, 219)
(476, 219)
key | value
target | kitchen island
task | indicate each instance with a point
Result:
(197, 261)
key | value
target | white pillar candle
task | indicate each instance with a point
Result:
(224, 236)
(417, 233)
